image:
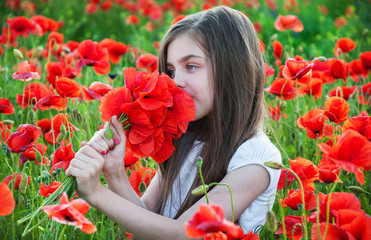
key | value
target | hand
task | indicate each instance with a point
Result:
(113, 150)
(86, 166)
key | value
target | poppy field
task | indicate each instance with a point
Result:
(66, 67)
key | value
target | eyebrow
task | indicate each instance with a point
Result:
(185, 58)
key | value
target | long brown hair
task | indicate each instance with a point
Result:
(228, 38)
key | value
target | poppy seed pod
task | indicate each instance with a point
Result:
(142, 187)
(23, 183)
(200, 190)
(8, 122)
(199, 161)
(272, 164)
(356, 189)
(18, 54)
(271, 221)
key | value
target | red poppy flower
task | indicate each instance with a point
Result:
(275, 113)
(296, 68)
(177, 19)
(365, 94)
(44, 124)
(58, 120)
(210, 219)
(313, 88)
(306, 171)
(55, 38)
(365, 58)
(286, 178)
(6, 107)
(59, 69)
(261, 46)
(293, 226)
(360, 123)
(92, 54)
(97, 90)
(268, 70)
(357, 69)
(26, 72)
(30, 155)
(294, 198)
(342, 91)
(337, 69)
(115, 49)
(32, 93)
(7, 202)
(288, 22)
(282, 87)
(340, 22)
(110, 104)
(147, 61)
(24, 137)
(130, 158)
(354, 222)
(71, 213)
(351, 153)
(332, 232)
(45, 23)
(328, 171)
(46, 190)
(344, 45)
(67, 87)
(132, 19)
(337, 109)
(18, 177)
(216, 236)
(143, 174)
(62, 157)
(277, 49)
(314, 123)
(53, 101)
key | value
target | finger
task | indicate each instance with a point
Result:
(79, 163)
(119, 129)
(87, 153)
(99, 143)
(83, 143)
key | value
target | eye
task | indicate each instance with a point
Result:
(171, 73)
(191, 67)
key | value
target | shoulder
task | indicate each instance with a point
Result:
(257, 150)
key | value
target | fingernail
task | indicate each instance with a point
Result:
(117, 141)
(103, 152)
(112, 147)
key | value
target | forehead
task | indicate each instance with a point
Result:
(184, 45)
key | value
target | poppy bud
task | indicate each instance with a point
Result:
(273, 37)
(142, 187)
(200, 190)
(300, 49)
(66, 49)
(8, 122)
(23, 183)
(31, 116)
(271, 221)
(365, 32)
(21, 201)
(199, 161)
(18, 54)
(272, 164)
(39, 156)
(322, 59)
(108, 134)
(60, 137)
(63, 129)
(356, 189)
(300, 207)
(112, 75)
(76, 115)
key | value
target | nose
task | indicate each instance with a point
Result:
(179, 80)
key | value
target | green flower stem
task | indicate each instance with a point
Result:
(203, 184)
(62, 232)
(283, 221)
(303, 200)
(230, 193)
(317, 217)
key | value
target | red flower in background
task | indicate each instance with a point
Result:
(111, 103)
(30, 155)
(67, 87)
(296, 68)
(277, 51)
(328, 171)
(306, 171)
(147, 61)
(365, 58)
(4, 132)
(6, 107)
(26, 72)
(314, 123)
(55, 38)
(357, 69)
(115, 49)
(58, 120)
(293, 226)
(337, 69)
(46, 24)
(360, 123)
(46, 190)
(62, 157)
(143, 174)
(71, 213)
(177, 19)
(96, 90)
(342, 91)
(275, 113)
(365, 94)
(283, 88)
(53, 101)
(313, 88)
(337, 109)
(288, 22)
(210, 219)
(59, 69)
(18, 177)
(294, 198)
(92, 54)
(24, 137)
(351, 153)
(344, 45)
(132, 19)
(286, 178)
(7, 202)
(32, 93)
(45, 125)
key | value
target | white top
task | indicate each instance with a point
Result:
(256, 150)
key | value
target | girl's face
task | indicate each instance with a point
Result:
(190, 68)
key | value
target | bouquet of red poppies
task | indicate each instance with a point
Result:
(153, 112)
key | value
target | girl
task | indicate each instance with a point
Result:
(214, 55)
